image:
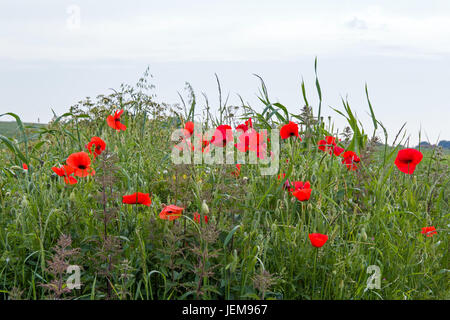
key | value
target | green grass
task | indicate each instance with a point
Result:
(255, 244)
(11, 129)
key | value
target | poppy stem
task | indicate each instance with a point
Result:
(314, 273)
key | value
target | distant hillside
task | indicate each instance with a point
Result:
(10, 129)
(443, 143)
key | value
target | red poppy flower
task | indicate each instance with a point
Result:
(242, 127)
(407, 159)
(114, 121)
(222, 135)
(197, 217)
(244, 142)
(237, 172)
(327, 144)
(337, 150)
(429, 231)
(299, 185)
(24, 166)
(65, 171)
(171, 212)
(202, 142)
(318, 239)
(81, 163)
(137, 198)
(189, 127)
(281, 176)
(302, 194)
(289, 130)
(99, 144)
(245, 126)
(351, 160)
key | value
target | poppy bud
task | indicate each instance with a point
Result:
(72, 196)
(24, 202)
(363, 234)
(205, 209)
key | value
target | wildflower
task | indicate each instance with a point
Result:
(202, 142)
(242, 127)
(137, 198)
(429, 231)
(289, 130)
(338, 150)
(24, 166)
(237, 172)
(114, 121)
(327, 144)
(99, 144)
(197, 217)
(302, 191)
(281, 176)
(189, 127)
(222, 135)
(66, 172)
(318, 239)
(351, 160)
(171, 212)
(81, 163)
(245, 126)
(407, 159)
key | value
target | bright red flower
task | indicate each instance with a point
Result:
(137, 198)
(171, 212)
(327, 144)
(429, 231)
(302, 194)
(99, 144)
(24, 166)
(407, 159)
(197, 217)
(281, 176)
(242, 127)
(114, 121)
(81, 163)
(66, 172)
(299, 185)
(337, 150)
(63, 171)
(222, 135)
(318, 239)
(302, 191)
(289, 130)
(237, 172)
(189, 127)
(351, 160)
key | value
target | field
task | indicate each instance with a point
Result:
(254, 243)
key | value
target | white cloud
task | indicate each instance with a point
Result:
(197, 36)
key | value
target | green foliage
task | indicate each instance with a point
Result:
(255, 244)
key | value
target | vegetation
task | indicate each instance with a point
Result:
(255, 242)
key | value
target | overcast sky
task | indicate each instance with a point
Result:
(54, 53)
